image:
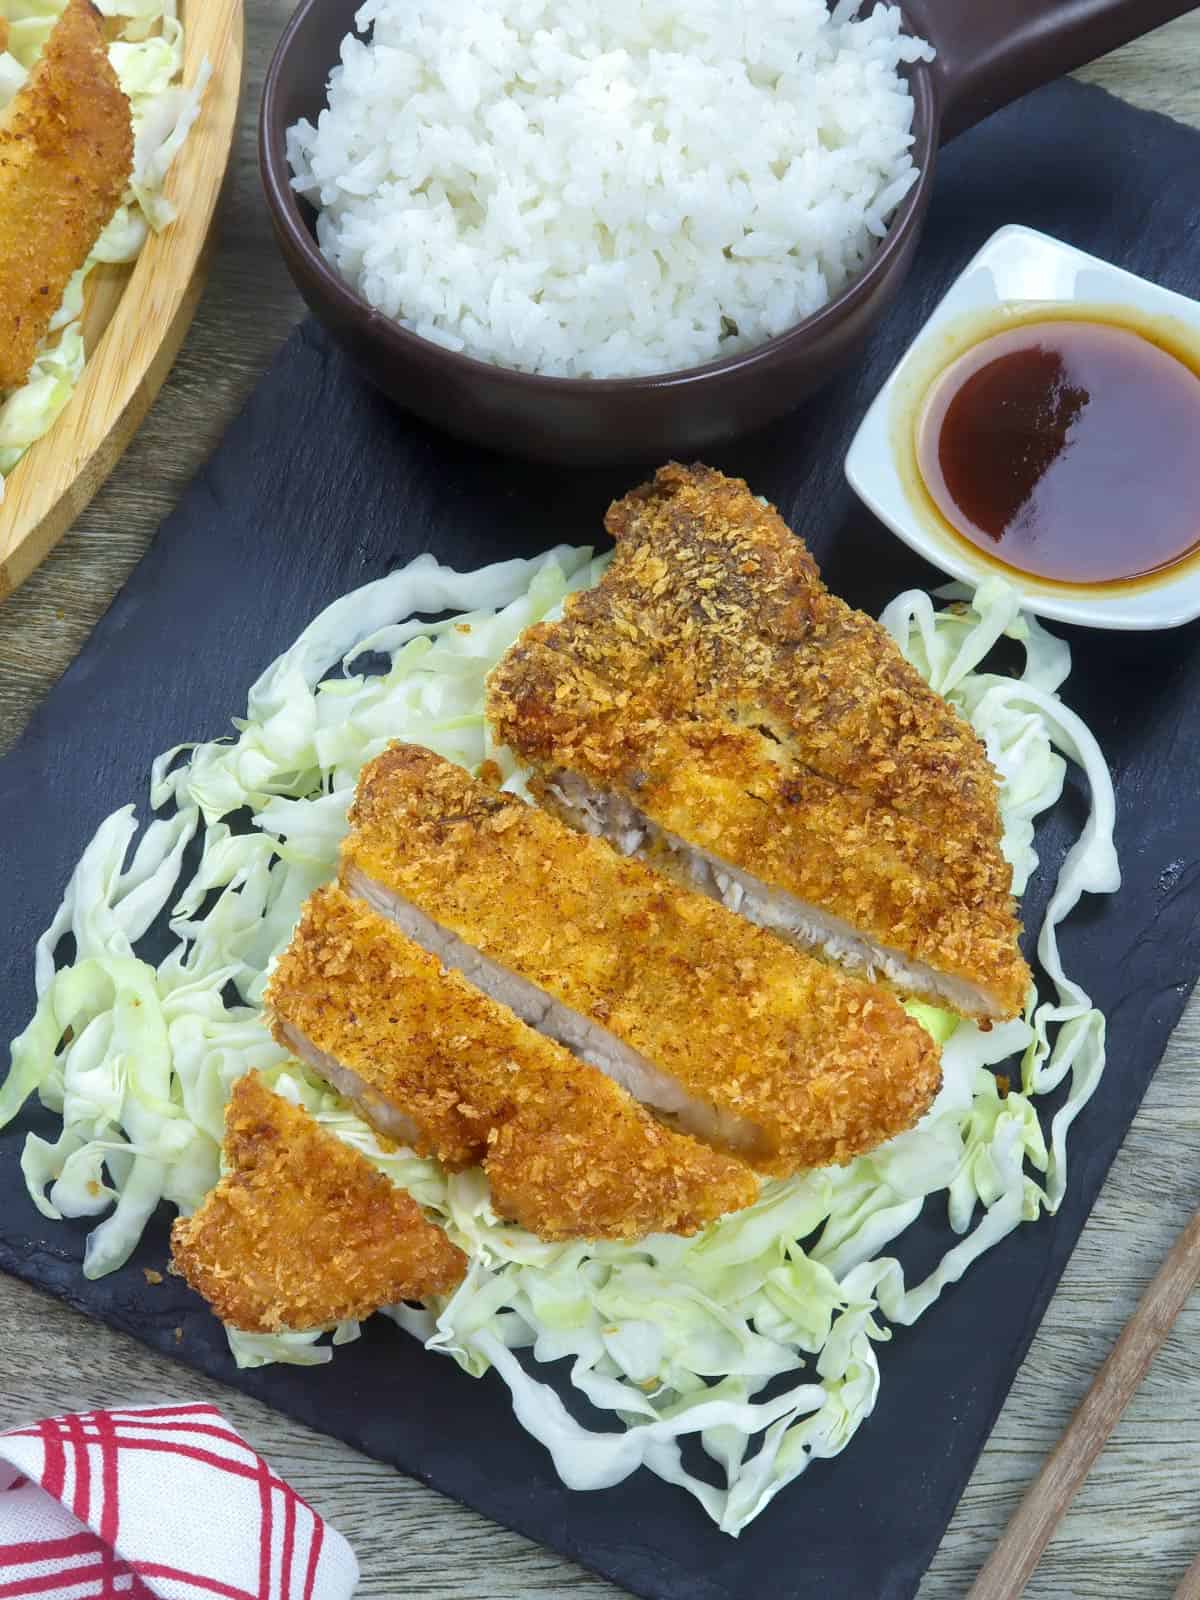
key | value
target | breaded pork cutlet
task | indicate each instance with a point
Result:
(66, 153)
(712, 706)
(433, 1062)
(734, 1036)
(303, 1232)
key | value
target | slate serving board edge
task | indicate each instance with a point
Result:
(642, 1535)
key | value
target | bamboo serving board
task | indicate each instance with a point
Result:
(134, 316)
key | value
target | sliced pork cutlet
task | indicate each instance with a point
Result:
(66, 154)
(711, 705)
(730, 1034)
(431, 1060)
(303, 1232)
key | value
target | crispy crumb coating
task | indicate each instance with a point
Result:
(567, 1152)
(66, 153)
(302, 1231)
(821, 1065)
(714, 682)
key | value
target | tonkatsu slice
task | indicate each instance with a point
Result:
(432, 1061)
(66, 154)
(303, 1232)
(711, 704)
(736, 1037)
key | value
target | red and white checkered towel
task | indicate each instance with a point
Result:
(164, 1501)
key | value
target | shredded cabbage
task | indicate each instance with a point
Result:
(32, 409)
(756, 1339)
(147, 57)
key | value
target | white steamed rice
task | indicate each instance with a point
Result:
(607, 188)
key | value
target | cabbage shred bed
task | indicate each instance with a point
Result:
(757, 1339)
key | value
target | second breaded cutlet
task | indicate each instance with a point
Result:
(736, 1037)
(302, 1232)
(66, 154)
(433, 1062)
(711, 705)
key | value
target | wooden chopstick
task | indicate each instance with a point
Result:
(1011, 1563)
(1189, 1584)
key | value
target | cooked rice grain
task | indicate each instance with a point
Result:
(608, 188)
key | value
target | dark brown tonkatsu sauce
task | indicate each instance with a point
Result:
(1069, 450)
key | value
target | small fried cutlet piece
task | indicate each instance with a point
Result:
(66, 153)
(711, 705)
(430, 1059)
(303, 1232)
(734, 1036)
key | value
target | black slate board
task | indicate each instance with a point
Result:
(320, 487)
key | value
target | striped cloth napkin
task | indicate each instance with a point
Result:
(163, 1501)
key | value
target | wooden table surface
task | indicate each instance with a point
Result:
(1135, 1526)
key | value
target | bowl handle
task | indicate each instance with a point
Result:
(990, 52)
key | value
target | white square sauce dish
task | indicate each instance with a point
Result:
(1044, 426)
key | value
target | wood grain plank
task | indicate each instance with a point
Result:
(1135, 1525)
(1012, 1563)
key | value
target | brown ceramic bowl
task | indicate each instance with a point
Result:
(988, 54)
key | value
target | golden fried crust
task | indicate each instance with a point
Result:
(357, 991)
(573, 1162)
(568, 1153)
(731, 614)
(823, 1065)
(712, 680)
(66, 153)
(303, 1232)
(724, 789)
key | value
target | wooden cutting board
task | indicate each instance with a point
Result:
(134, 316)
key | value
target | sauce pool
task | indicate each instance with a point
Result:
(1069, 450)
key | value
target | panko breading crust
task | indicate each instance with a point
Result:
(714, 682)
(302, 1231)
(823, 1065)
(66, 153)
(567, 1152)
